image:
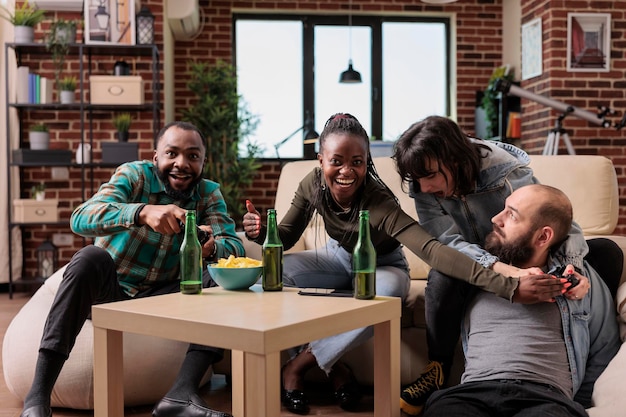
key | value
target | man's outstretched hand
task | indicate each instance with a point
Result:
(537, 289)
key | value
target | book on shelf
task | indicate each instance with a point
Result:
(21, 87)
(45, 86)
(514, 128)
(37, 89)
(32, 88)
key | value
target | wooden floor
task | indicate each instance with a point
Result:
(217, 394)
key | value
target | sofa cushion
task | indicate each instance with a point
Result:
(592, 190)
(608, 392)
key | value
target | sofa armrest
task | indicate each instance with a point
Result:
(253, 250)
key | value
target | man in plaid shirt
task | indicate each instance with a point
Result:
(135, 221)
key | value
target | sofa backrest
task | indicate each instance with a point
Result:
(589, 181)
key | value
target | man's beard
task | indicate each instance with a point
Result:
(516, 252)
(177, 195)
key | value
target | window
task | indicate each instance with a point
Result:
(289, 67)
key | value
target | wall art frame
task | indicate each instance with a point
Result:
(110, 22)
(532, 49)
(588, 42)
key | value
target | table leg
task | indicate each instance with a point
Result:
(238, 387)
(387, 369)
(256, 384)
(108, 362)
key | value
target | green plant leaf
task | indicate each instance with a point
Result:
(26, 15)
(222, 116)
(489, 102)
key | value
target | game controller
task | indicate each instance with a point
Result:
(570, 278)
(203, 235)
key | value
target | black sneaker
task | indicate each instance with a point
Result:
(414, 395)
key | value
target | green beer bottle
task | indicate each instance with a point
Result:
(190, 258)
(364, 261)
(272, 256)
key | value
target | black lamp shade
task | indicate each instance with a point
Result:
(311, 135)
(311, 138)
(350, 75)
(145, 26)
(309, 129)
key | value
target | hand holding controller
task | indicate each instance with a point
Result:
(203, 235)
(570, 277)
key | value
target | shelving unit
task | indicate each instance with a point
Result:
(85, 54)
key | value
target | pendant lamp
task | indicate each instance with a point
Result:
(350, 75)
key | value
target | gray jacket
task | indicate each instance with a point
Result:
(464, 222)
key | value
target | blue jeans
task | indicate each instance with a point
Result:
(502, 398)
(331, 267)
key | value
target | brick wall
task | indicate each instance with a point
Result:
(478, 43)
(584, 90)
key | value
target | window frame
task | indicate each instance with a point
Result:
(375, 22)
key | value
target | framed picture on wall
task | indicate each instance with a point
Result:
(110, 21)
(589, 42)
(532, 58)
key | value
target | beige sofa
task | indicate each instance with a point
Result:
(589, 181)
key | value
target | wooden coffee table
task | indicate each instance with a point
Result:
(256, 326)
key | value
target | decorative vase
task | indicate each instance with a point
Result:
(83, 153)
(67, 97)
(24, 34)
(40, 196)
(39, 140)
(122, 136)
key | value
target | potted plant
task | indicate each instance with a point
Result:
(219, 112)
(38, 191)
(122, 124)
(24, 18)
(489, 102)
(61, 35)
(67, 86)
(39, 136)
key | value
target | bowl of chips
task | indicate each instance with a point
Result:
(236, 273)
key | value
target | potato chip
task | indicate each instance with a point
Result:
(242, 262)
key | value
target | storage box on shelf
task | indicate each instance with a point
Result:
(38, 156)
(34, 211)
(119, 152)
(121, 90)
